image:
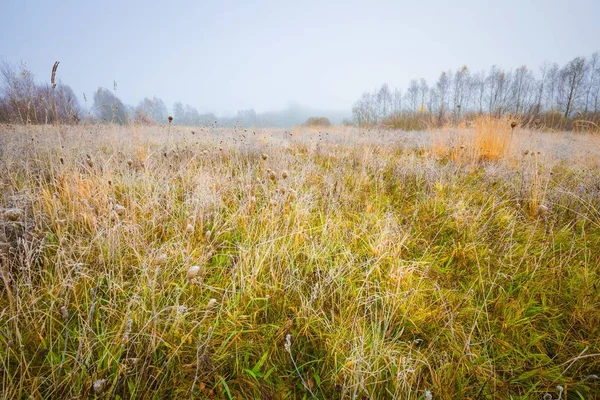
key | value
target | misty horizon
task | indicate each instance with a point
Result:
(221, 58)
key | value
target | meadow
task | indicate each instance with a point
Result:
(311, 263)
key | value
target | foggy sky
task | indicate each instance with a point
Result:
(229, 55)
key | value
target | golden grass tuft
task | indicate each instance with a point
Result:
(492, 137)
(485, 138)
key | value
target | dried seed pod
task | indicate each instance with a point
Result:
(65, 313)
(161, 259)
(192, 272)
(119, 209)
(211, 303)
(13, 214)
(100, 386)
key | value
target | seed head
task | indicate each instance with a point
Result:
(284, 174)
(273, 176)
(119, 209)
(4, 248)
(264, 156)
(13, 214)
(181, 310)
(65, 313)
(542, 210)
(170, 119)
(53, 75)
(189, 228)
(192, 272)
(288, 343)
(161, 259)
(211, 303)
(127, 330)
(100, 385)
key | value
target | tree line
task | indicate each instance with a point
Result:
(555, 96)
(25, 101)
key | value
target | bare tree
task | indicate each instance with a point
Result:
(571, 78)
(595, 95)
(108, 107)
(384, 101)
(25, 101)
(521, 90)
(479, 86)
(593, 75)
(497, 83)
(364, 111)
(397, 101)
(412, 94)
(539, 88)
(153, 108)
(461, 82)
(423, 90)
(19, 89)
(442, 88)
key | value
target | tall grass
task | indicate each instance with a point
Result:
(133, 267)
(492, 137)
(484, 138)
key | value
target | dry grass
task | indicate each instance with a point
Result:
(484, 138)
(492, 137)
(330, 263)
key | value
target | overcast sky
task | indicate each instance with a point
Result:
(223, 56)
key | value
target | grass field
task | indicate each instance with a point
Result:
(153, 262)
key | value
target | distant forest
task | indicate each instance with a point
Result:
(557, 97)
(23, 100)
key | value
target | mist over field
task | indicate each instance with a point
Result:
(308, 200)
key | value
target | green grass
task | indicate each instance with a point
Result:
(394, 271)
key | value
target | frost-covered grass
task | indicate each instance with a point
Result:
(147, 262)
